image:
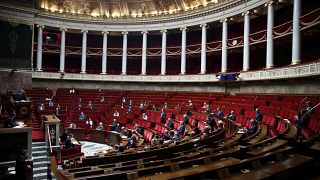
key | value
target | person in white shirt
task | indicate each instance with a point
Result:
(144, 116)
(100, 126)
(89, 123)
(102, 99)
(73, 126)
(116, 114)
(50, 103)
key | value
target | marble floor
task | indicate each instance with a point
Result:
(90, 148)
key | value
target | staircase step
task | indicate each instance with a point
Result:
(42, 143)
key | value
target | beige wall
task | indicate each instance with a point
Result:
(12, 81)
(293, 86)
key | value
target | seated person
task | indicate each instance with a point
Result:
(141, 107)
(100, 126)
(181, 129)
(41, 108)
(56, 112)
(102, 99)
(253, 128)
(114, 125)
(258, 115)
(211, 121)
(50, 103)
(68, 143)
(219, 113)
(144, 116)
(116, 114)
(79, 107)
(89, 123)
(129, 110)
(185, 119)
(133, 140)
(63, 137)
(189, 113)
(10, 122)
(123, 100)
(72, 126)
(124, 131)
(82, 116)
(232, 116)
(163, 116)
(219, 128)
(170, 124)
(205, 105)
(80, 101)
(131, 103)
(190, 103)
(90, 104)
(207, 110)
(165, 106)
(146, 104)
(139, 129)
(206, 131)
(195, 129)
(20, 95)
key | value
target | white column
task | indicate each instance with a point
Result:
(124, 52)
(104, 52)
(144, 53)
(183, 49)
(224, 45)
(62, 49)
(203, 48)
(163, 51)
(269, 63)
(246, 47)
(39, 48)
(84, 51)
(296, 46)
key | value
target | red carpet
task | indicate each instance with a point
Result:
(37, 136)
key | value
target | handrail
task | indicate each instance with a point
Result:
(302, 102)
(49, 139)
(310, 110)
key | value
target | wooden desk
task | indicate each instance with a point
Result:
(78, 133)
(113, 138)
(267, 148)
(97, 136)
(194, 170)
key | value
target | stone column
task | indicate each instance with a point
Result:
(296, 44)
(224, 54)
(62, 49)
(104, 52)
(246, 42)
(269, 63)
(144, 53)
(183, 49)
(39, 48)
(203, 48)
(84, 51)
(124, 52)
(163, 51)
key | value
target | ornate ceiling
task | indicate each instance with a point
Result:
(124, 8)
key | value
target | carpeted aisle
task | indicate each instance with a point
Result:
(37, 136)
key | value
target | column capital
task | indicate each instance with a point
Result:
(63, 29)
(84, 31)
(269, 3)
(224, 20)
(203, 25)
(40, 26)
(144, 32)
(246, 13)
(125, 32)
(163, 31)
(105, 32)
(183, 28)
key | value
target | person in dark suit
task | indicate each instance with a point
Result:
(232, 116)
(258, 116)
(163, 116)
(114, 125)
(185, 119)
(181, 129)
(196, 129)
(133, 140)
(253, 127)
(10, 122)
(68, 143)
(170, 124)
(63, 137)
(219, 113)
(211, 121)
